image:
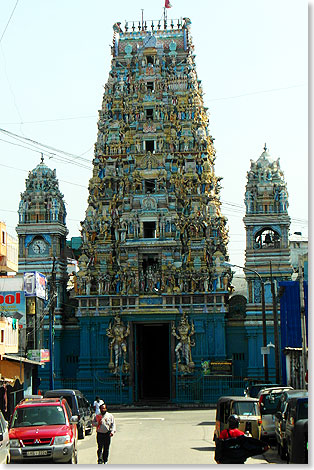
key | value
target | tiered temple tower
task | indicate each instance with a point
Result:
(42, 235)
(42, 228)
(267, 250)
(152, 285)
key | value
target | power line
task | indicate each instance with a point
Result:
(50, 155)
(48, 120)
(27, 171)
(255, 93)
(45, 146)
(6, 27)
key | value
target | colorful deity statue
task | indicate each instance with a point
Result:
(118, 333)
(183, 348)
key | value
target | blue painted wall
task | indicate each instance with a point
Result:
(290, 317)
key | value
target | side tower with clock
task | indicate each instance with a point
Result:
(42, 230)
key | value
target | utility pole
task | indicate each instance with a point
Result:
(303, 326)
(276, 336)
(264, 330)
(263, 313)
(51, 324)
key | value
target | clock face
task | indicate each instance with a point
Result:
(39, 247)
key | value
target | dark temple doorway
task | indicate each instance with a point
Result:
(152, 362)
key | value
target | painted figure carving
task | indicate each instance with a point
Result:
(118, 334)
(183, 348)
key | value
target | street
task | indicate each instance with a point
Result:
(163, 437)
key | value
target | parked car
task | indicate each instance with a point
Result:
(297, 430)
(253, 389)
(246, 408)
(43, 430)
(268, 401)
(280, 418)
(80, 407)
(4, 441)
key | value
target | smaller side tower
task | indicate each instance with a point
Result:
(267, 225)
(267, 250)
(42, 230)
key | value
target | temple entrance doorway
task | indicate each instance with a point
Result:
(152, 354)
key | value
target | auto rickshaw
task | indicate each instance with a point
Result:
(246, 408)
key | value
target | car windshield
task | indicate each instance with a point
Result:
(245, 408)
(38, 416)
(303, 409)
(254, 389)
(270, 403)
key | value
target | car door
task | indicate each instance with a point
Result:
(83, 410)
(4, 441)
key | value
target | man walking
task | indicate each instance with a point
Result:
(105, 429)
(97, 404)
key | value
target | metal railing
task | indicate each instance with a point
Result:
(205, 388)
(154, 25)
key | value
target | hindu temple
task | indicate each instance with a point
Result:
(151, 315)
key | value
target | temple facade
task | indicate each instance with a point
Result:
(151, 315)
(152, 284)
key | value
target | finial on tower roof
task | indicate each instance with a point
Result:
(265, 147)
(42, 158)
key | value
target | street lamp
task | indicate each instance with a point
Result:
(263, 312)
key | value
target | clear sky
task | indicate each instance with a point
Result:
(251, 56)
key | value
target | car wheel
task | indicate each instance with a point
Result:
(73, 459)
(282, 453)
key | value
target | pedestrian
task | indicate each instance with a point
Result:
(97, 404)
(233, 446)
(105, 429)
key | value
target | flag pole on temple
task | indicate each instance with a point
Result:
(167, 5)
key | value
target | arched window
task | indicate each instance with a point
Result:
(267, 238)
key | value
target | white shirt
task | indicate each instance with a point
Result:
(104, 423)
(97, 406)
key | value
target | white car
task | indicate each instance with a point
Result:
(4, 441)
(268, 400)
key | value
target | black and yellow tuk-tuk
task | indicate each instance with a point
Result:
(246, 408)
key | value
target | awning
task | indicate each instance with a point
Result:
(22, 359)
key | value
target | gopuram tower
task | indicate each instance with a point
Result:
(152, 287)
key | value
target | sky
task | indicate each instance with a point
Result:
(252, 59)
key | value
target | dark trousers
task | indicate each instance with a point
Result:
(103, 442)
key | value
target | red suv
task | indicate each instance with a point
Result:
(43, 429)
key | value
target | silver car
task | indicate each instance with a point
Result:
(4, 441)
(268, 401)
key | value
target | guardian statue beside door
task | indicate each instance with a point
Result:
(118, 333)
(183, 352)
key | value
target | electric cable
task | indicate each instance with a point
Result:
(6, 27)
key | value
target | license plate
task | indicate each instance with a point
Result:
(35, 453)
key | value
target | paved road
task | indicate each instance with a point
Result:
(162, 437)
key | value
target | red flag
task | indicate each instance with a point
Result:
(167, 4)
